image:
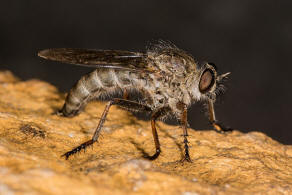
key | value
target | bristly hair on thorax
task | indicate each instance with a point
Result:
(162, 46)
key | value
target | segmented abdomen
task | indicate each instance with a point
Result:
(93, 85)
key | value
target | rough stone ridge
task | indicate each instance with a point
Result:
(32, 139)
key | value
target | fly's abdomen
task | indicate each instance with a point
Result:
(92, 86)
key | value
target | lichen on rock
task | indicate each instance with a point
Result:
(32, 139)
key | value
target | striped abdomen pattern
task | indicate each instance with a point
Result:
(94, 85)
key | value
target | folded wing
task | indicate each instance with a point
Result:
(97, 58)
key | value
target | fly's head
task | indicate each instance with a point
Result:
(207, 83)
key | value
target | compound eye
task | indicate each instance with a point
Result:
(207, 80)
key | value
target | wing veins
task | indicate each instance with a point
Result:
(116, 59)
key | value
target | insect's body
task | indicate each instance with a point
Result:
(172, 82)
(166, 77)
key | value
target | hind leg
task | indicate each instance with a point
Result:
(116, 101)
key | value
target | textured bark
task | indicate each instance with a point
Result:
(32, 139)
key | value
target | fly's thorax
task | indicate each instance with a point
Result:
(154, 87)
(166, 90)
(174, 61)
(175, 68)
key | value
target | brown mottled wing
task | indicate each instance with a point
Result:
(98, 58)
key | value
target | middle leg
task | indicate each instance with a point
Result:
(155, 115)
(184, 124)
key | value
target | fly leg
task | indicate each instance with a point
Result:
(184, 125)
(116, 101)
(219, 127)
(155, 115)
(95, 135)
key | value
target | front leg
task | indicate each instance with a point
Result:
(219, 127)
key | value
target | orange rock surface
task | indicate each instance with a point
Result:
(32, 139)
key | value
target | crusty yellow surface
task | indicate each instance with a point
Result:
(32, 139)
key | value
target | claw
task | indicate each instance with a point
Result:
(154, 156)
(220, 128)
(187, 155)
(187, 158)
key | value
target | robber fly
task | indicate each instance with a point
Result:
(168, 79)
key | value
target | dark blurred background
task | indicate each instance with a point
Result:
(252, 39)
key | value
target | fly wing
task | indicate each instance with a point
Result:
(97, 58)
